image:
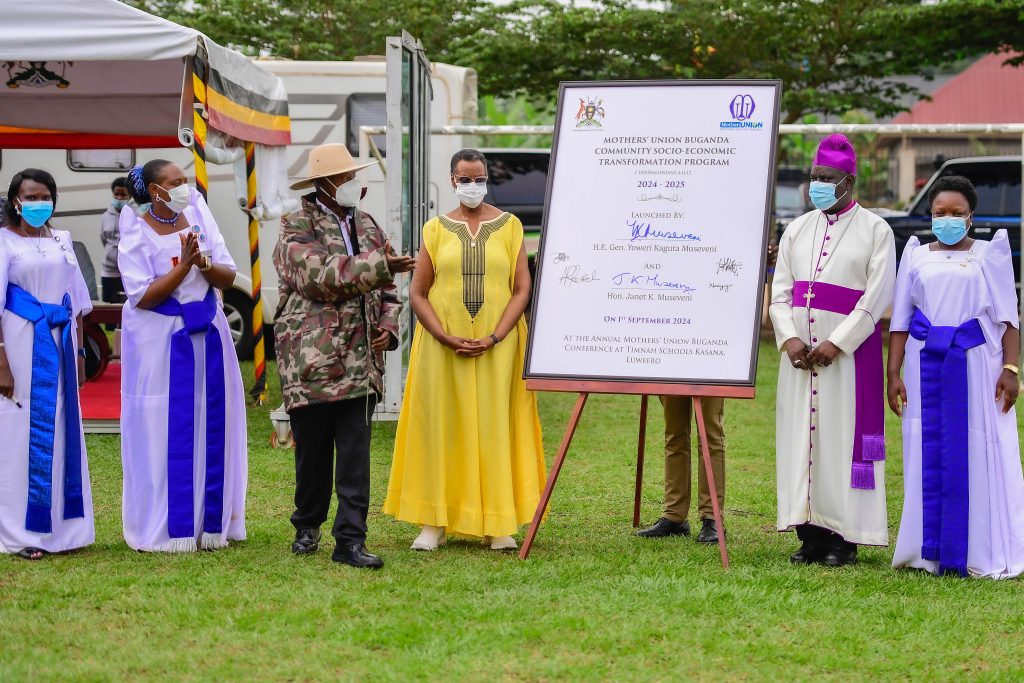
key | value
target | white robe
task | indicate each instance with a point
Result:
(949, 292)
(143, 256)
(47, 276)
(815, 410)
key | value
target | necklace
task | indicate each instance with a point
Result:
(816, 268)
(35, 240)
(165, 221)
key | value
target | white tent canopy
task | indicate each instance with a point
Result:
(123, 72)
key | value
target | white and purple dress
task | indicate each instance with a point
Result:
(963, 485)
(183, 427)
(45, 497)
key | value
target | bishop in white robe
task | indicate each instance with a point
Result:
(834, 280)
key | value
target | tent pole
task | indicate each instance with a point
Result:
(259, 385)
(199, 124)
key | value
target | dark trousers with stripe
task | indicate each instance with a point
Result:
(323, 433)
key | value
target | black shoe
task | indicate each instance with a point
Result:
(306, 541)
(708, 533)
(809, 553)
(665, 527)
(840, 554)
(356, 556)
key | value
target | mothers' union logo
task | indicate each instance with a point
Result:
(741, 108)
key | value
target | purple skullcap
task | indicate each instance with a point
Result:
(837, 152)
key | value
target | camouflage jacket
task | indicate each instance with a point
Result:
(330, 300)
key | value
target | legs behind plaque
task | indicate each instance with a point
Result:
(563, 449)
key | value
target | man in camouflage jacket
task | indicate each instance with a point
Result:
(337, 314)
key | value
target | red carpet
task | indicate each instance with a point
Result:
(101, 400)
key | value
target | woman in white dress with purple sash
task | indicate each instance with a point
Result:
(183, 430)
(45, 498)
(954, 333)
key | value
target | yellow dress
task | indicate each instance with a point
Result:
(468, 452)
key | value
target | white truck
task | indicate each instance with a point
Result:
(328, 102)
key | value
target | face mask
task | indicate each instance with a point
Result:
(179, 197)
(118, 204)
(471, 194)
(348, 194)
(36, 213)
(949, 229)
(823, 195)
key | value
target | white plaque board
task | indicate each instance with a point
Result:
(651, 264)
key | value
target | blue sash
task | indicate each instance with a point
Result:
(945, 490)
(198, 318)
(47, 359)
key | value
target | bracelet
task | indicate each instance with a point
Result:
(1012, 368)
(495, 339)
(207, 264)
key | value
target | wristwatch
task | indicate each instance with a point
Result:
(207, 263)
(1012, 368)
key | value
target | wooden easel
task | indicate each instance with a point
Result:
(585, 388)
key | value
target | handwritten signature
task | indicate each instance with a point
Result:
(574, 275)
(561, 257)
(643, 281)
(731, 266)
(645, 231)
(721, 287)
(667, 198)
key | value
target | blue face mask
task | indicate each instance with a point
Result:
(949, 229)
(118, 204)
(823, 195)
(36, 213)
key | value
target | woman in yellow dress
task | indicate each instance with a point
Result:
(468, 454)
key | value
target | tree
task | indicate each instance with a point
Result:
(313, 29)
(833, 56)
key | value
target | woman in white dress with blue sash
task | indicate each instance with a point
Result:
(45, 498)
(183, 429)
(954, 333)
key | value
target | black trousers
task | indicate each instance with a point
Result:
(821, 537)
(112, 293)
(321, 431)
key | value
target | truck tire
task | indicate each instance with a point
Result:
(238, 311)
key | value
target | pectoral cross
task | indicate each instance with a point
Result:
(808, 295)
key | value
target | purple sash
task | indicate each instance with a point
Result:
(198, 317)
(944, 467)
(869, 425)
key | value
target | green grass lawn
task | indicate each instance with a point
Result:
(591, 603)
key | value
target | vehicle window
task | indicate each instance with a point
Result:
(517, 179)
(789, 198)
(101, 159)
(998, 186)
(364, 109)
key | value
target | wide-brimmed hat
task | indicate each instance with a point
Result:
(328, 160)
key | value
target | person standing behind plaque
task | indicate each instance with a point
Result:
(468, 457)
(183, 438)
(673, 521)
(954, 333)
(834, 280)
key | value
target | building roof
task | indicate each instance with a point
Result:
(988, 91)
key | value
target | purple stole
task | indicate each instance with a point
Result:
(945, 490)
(869, 426)
(198, 318)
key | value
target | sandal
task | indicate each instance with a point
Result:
(32, 554)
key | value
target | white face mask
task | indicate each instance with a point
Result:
(348, 194)
(179, 196)
(471, 194)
